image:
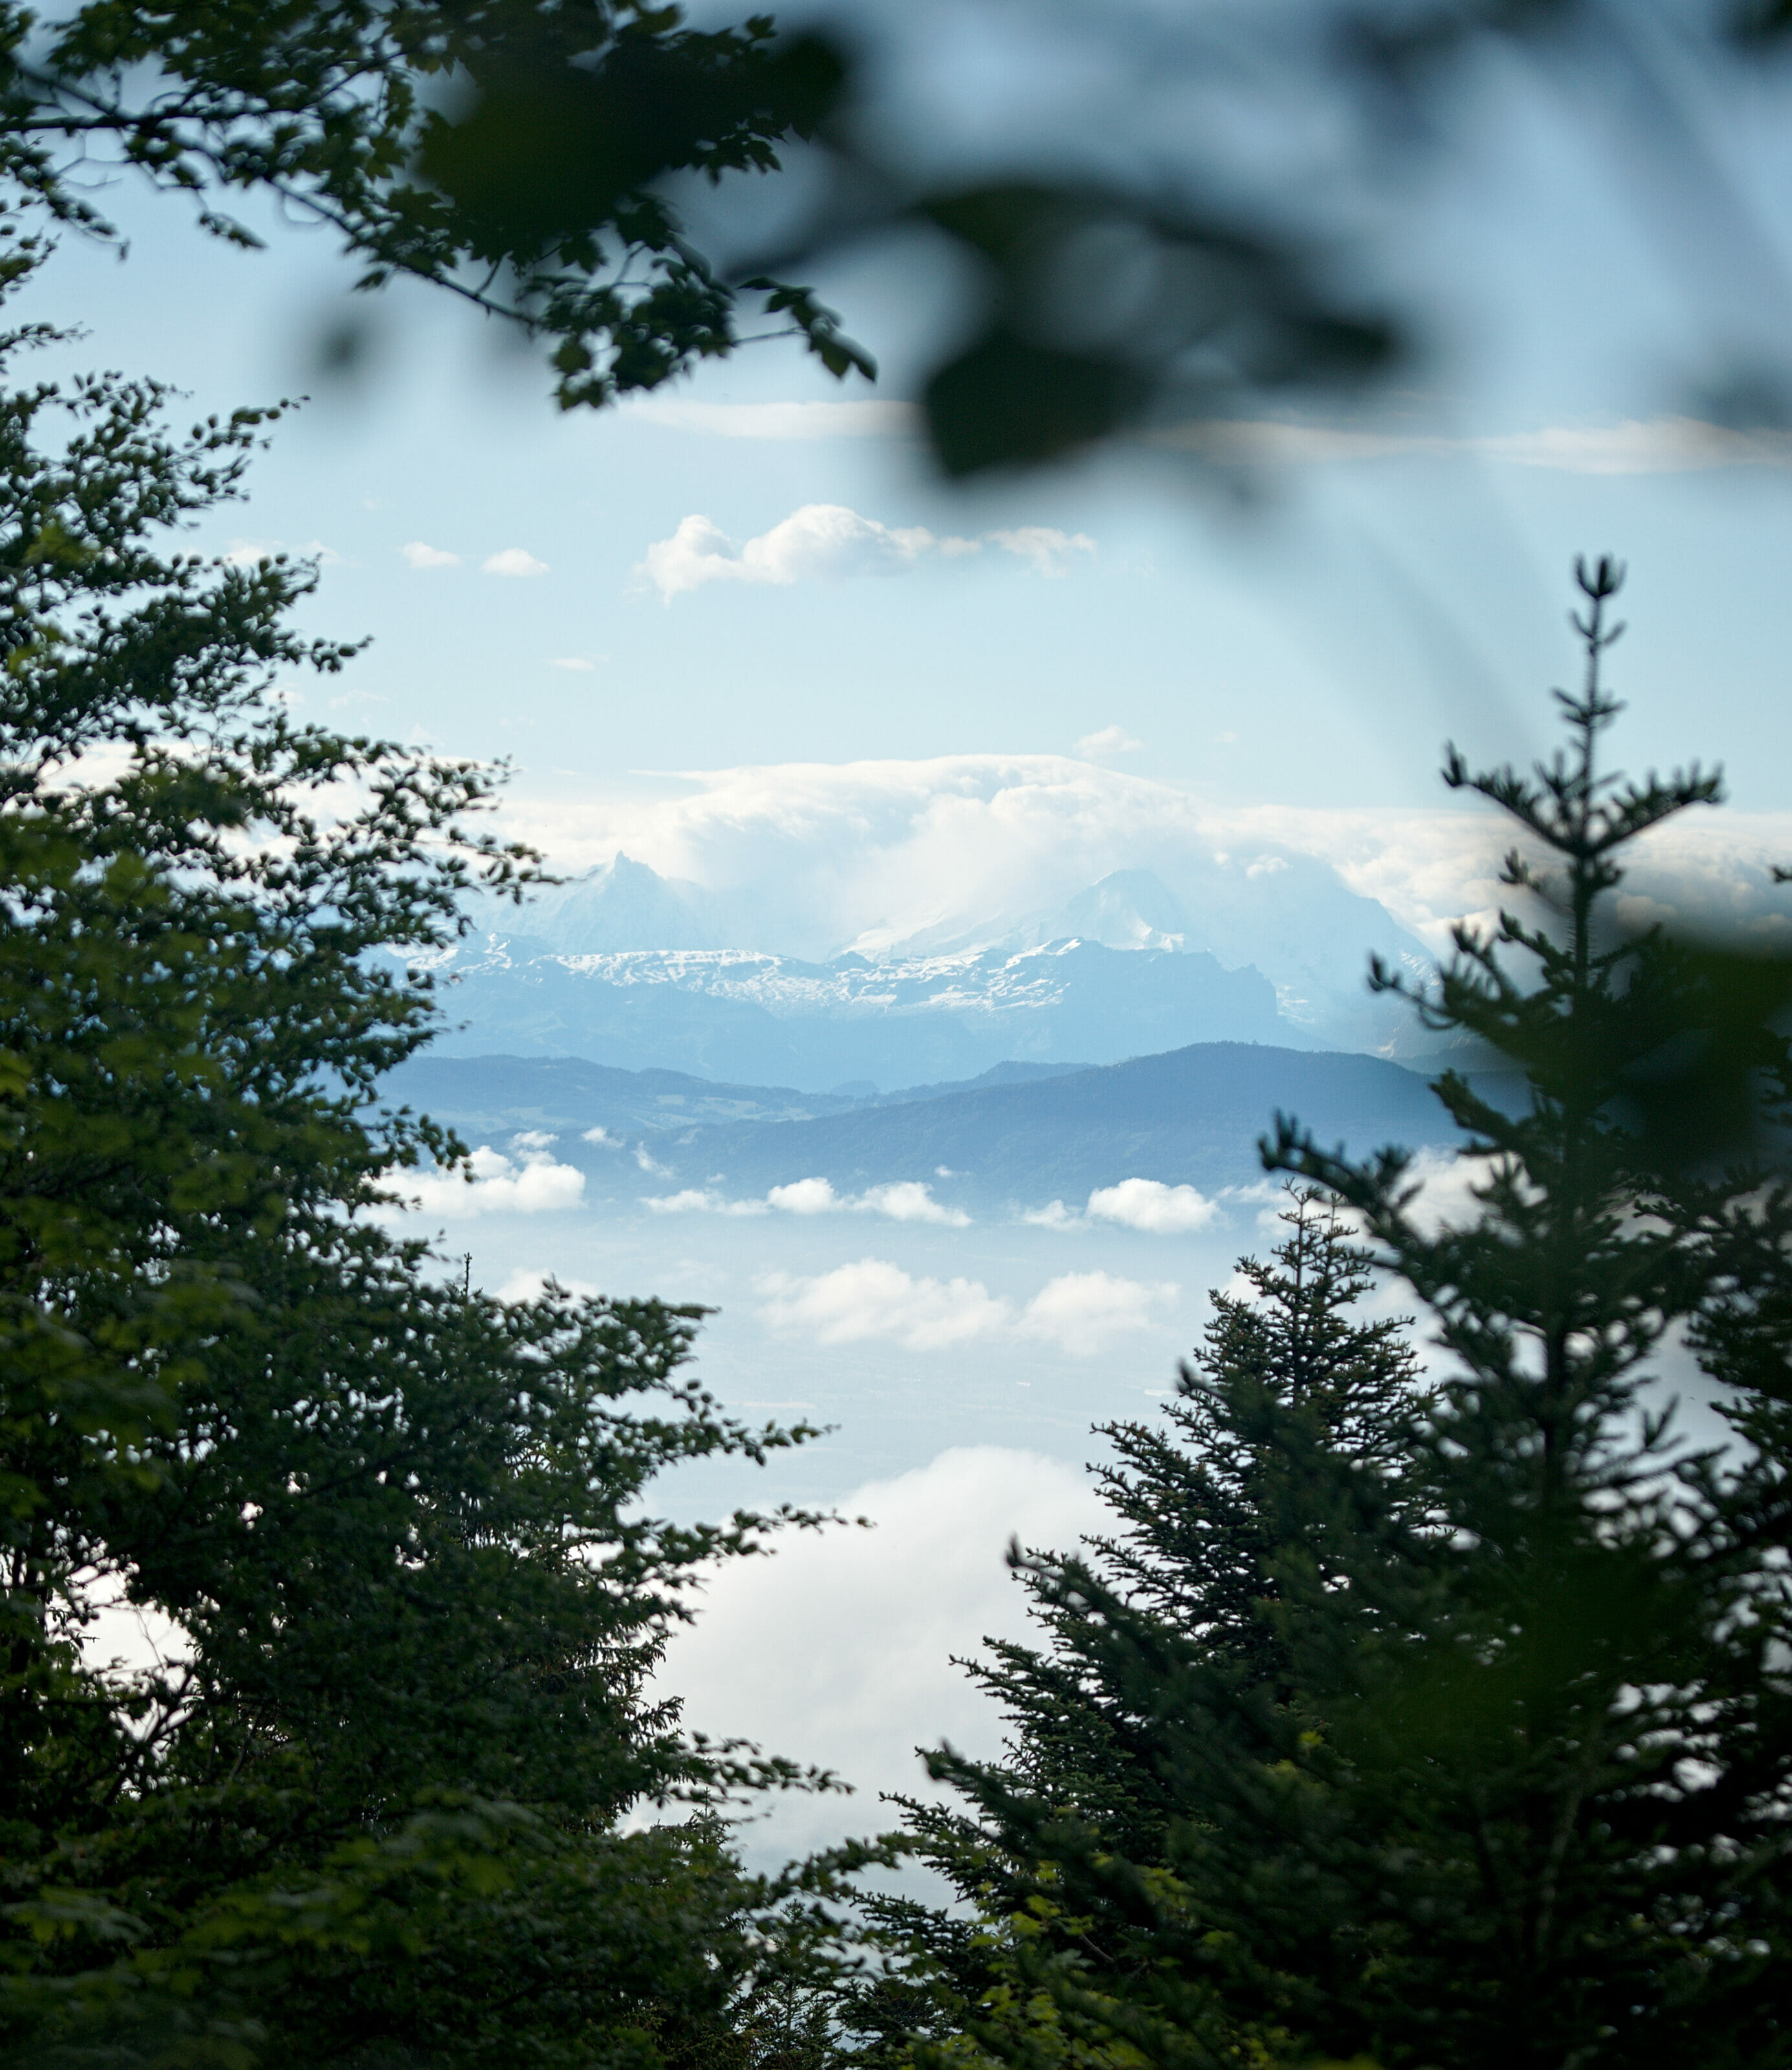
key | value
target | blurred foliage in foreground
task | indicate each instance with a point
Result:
(1213, 213)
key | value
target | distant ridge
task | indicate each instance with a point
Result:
(1190, 1116)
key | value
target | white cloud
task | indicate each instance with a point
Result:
(1080, 1311)
(909, 1201)
(417, 555)
(603, 1137)
(838, 1650)
(524, 1284)
(875, 1299)
(903, 1200)
(1656, 445)
(1149, 1204)
(780, 420)
(1102, 746)
(699, 1200)
(248, 553)
(1055, 1216)
(531, 1183)
(576, 663)
(868, 854)
(820, 540)
(513, 561)
(1049, 550)
(828, 542)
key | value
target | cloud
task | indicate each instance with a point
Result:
(526, 1284)
(1081, 1311)
(1102, 746)
(1656, 445)
(417, 555)
(1048, 550)
(249, 553)
(1146, 1204)
(824, 540)
(838, 1649)
(1149, 1204)
(903, 1200)
(531, 1183)
(513, 561)
(577, 663)
(828, 542)
(867, 854)
(781, 420)
(603, 1137)
(875, 1299)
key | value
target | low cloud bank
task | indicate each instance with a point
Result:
(838, 1650)
(1079, 1313)
(902, 1201)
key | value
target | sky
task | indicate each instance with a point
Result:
(757, 569)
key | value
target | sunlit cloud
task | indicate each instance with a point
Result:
(417, 554)
(1104, 745)
(531, 1182)
(827, 541)
(513, 561)
(873, 1298)
(903, 1200)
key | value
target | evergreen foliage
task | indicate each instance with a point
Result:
(387, 1792)
(1477, 1750)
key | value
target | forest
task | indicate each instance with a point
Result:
(1424, 1702)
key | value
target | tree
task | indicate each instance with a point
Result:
(390, 1796)
(1209, 1513)
(1506, 1779)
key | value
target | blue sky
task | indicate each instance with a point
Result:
(1310, 653)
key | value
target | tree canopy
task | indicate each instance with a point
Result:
(394, 1787)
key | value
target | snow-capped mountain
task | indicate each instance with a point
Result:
(635, 970)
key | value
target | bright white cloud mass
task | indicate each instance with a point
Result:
(513, 561)
(903, 1200)
(531, 1182)
(838, 1651)
(866, 853)
(828, 541)
(1080, 1312)
(418, 554)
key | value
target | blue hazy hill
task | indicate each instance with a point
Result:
(1189, 1116)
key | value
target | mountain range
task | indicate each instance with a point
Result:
(1188, 1117)
(638, 971)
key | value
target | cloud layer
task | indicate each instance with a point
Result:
(1078, 1312)
(827, 541)
(867, 853)
(1655, 445)
(838, 1649)
(902, 1201)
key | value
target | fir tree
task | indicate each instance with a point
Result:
(1509, 1784)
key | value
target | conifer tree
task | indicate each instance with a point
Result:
(1507, 1781)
